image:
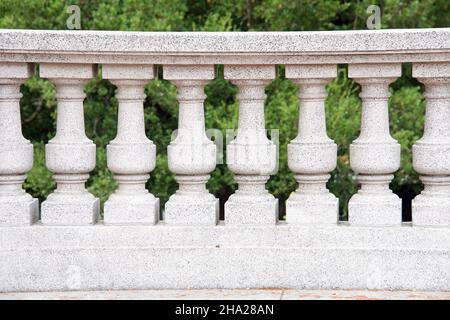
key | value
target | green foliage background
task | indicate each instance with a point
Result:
(343, 105)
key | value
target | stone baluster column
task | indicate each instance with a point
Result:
(16, 153)
(70, 155)
(251, 156)
(312, 154)
(191, 155)
(131, 155)
(431, 153)
(375, 155)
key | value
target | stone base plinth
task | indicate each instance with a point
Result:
(370, 210)
(247, 211)
(19, 213)
(70, 211)
(178, 212)
(431, 211)
(132, 210)
(312, 209)
(99, 257)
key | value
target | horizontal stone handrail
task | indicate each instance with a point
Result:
(65, 244)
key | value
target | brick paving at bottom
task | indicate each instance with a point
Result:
(238, 294)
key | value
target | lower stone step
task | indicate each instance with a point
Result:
(99, 257)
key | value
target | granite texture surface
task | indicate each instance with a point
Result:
(68, 249)
(206, 48)
(45, 258)
(231, 42)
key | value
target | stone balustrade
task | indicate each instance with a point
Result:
(131, 246)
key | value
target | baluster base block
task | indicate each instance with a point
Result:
(19, 213)
(431, 211)
(375, 210)
(312, 209)
(254, 211)
(123, 211)
(192, 213)
(70, 211)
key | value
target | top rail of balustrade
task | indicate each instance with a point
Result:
(384, 46)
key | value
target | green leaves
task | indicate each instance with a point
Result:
(298, 15)
(136, 15)
(38, 107)
(343, 114)
(407, 113)
(39, 181)
(222, 15)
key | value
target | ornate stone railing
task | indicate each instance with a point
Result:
(64, 246)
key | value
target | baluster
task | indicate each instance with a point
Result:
(312, 154)
(16, 153)
(191, 155)
(375, 155)
(131, 155)
(431, 153)
(70, 155)
(251, 156)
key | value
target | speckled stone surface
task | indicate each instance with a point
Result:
(70, 155)
(61, 209)
(312, 154)
(191, 155)
(251, 156)
(194, 48)
(18, 210)
(140, 208)
(131, 155)
(44, 258)
(187, 210)
(371, 207)
(230, 42)
(315, 206)
(243, 209)
(431, 153)
(375, 155)
(431, 211)
(250, 249)
(16, 153)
